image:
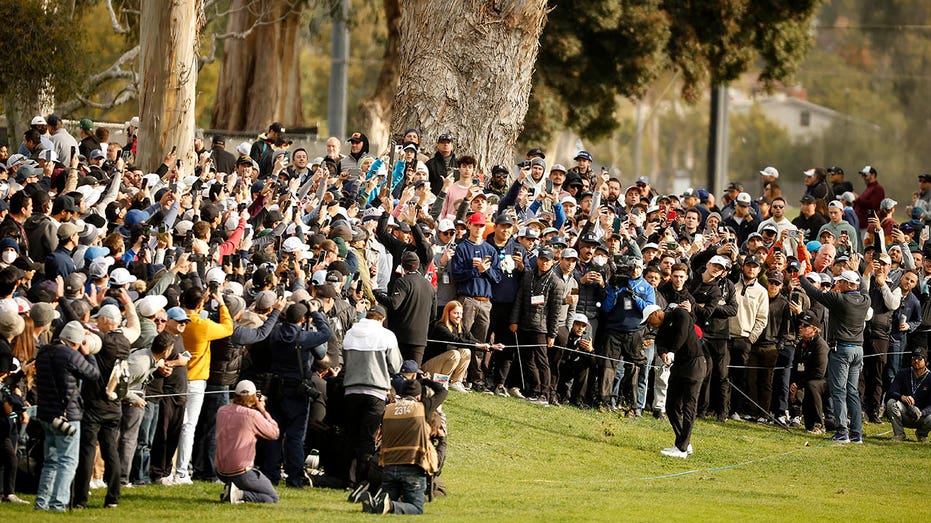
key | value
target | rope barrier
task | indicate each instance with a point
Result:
(188, 394)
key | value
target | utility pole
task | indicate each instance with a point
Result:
(717, 141)
(339, 66)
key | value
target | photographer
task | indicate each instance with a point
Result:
(628, 294)
(292, 351)
(239, 426)
(60, 412)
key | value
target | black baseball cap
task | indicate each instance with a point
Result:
(807, 318)
(444, 138)
(807, 199)
(920, 353)
(536, 152)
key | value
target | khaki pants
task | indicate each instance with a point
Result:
(453, 363)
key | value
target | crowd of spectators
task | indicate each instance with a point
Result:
(335, 300)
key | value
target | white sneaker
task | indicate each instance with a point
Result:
(235, 494)
(673, 452)
(689, 450)
(166, 481)
(97, 483)
(457, 386)
(515, 393)
(183, 480)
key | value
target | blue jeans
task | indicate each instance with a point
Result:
(142, 459)
(643, 377)
(782, 379)
(61, 463)
(893, 360)
(406, 485)
(844, 366)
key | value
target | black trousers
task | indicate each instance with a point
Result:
(167, 433)
(412, 352)
(871, 379)
(685, 381)
(107, 432)
(739, 349)
(556, 356)
(716, 392)
(502, 360)
(8, 461)
(616, 345)
(814, 395)
(363, 418)
(533, 345)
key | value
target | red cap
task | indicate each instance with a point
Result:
(477, 218)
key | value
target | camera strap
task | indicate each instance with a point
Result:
(300, 362)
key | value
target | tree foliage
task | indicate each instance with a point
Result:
(42, 49)
(594, 51)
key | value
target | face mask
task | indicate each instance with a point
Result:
(600, 260)
(9, 256)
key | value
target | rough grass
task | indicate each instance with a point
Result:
(513, 461)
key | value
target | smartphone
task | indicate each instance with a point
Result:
(671, 215)
(74, 151)
(671, 246)
(174, 148)
(574, 291)
(549, 186)
(794, 234)
(127, 154)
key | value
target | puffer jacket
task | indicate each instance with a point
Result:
(543, 317)
(115, 346)
(59, 372)
(715, 305)
(42, 234)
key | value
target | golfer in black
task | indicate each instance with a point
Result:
(678, 344)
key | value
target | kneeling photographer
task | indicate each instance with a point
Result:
(292, 351)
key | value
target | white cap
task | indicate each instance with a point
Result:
(215, 275)
(866, 169)
(770, 171)
(232, 222)
(445, 225)
(649, 245)
(134, 122)
(836, 205)
(293, 244)
(109, 311)
(809, 173)
(568, 199)
(245, 388)
(744, 198)
(38, 120)
(887, 203)
(121, 276)
(849, 276)
(720, 260)
(244, 148)
(151, 304)
(650, 309)
(233, 287)
(183, 227)
(48, 155)
(579, 317)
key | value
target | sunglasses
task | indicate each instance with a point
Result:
(779, 206)
(159, 320)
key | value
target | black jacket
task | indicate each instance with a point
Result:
(677, 335)
(287, 337)
(811, 360)
(714, 306)
(437, 169)
(223, 160)
(544, 317)
(455, 340)
(115, 347)
(226, 353)
(59, 372)
(411, 304)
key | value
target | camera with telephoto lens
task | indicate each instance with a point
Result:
(622, 270)
(309, 389)
(61, 425)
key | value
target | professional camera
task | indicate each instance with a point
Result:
(61, 425)
(622, 269)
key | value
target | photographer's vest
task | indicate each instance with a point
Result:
(406, 436)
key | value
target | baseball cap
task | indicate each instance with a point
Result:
(445, 225)
(355, 137)
(569, 254)
(583, 155)
(579, 317)
(744, 199)
(178, 314)
(410, 367)
(38, 120)
(536, 152)
(445, 138)
(73, 331)
(770, 171)
(68, 229)
(294, 244)
(887, 203)
(477, 219)
(807, 318)
(752, 259)
(849, 276)
(245, 388)
(121, 276)
(867, 169)
(775, 276)
(719, 260)
(809, 172)
(109, 311)
(546, 254)
(649, 310)
(558, 167)
(151, 304)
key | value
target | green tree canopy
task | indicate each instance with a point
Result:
(594, 51)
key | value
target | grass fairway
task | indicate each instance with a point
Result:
(513, 461)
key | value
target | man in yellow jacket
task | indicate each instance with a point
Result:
(197, 337)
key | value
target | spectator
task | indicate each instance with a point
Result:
(60, 411)
(808, 386)
(239, 426)
(410, 299)
(867, 203)
(909, 403)
(746, 327)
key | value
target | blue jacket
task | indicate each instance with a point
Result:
(471, 282)
(624, 307)
(59, 263)
(506, 290)
(902, 386)
(911, 308)
(287, 337)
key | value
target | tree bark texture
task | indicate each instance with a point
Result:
(466, 69)
(376, 111)
(168, 64)
(259, 79)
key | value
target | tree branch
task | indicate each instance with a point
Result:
(119, 29)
